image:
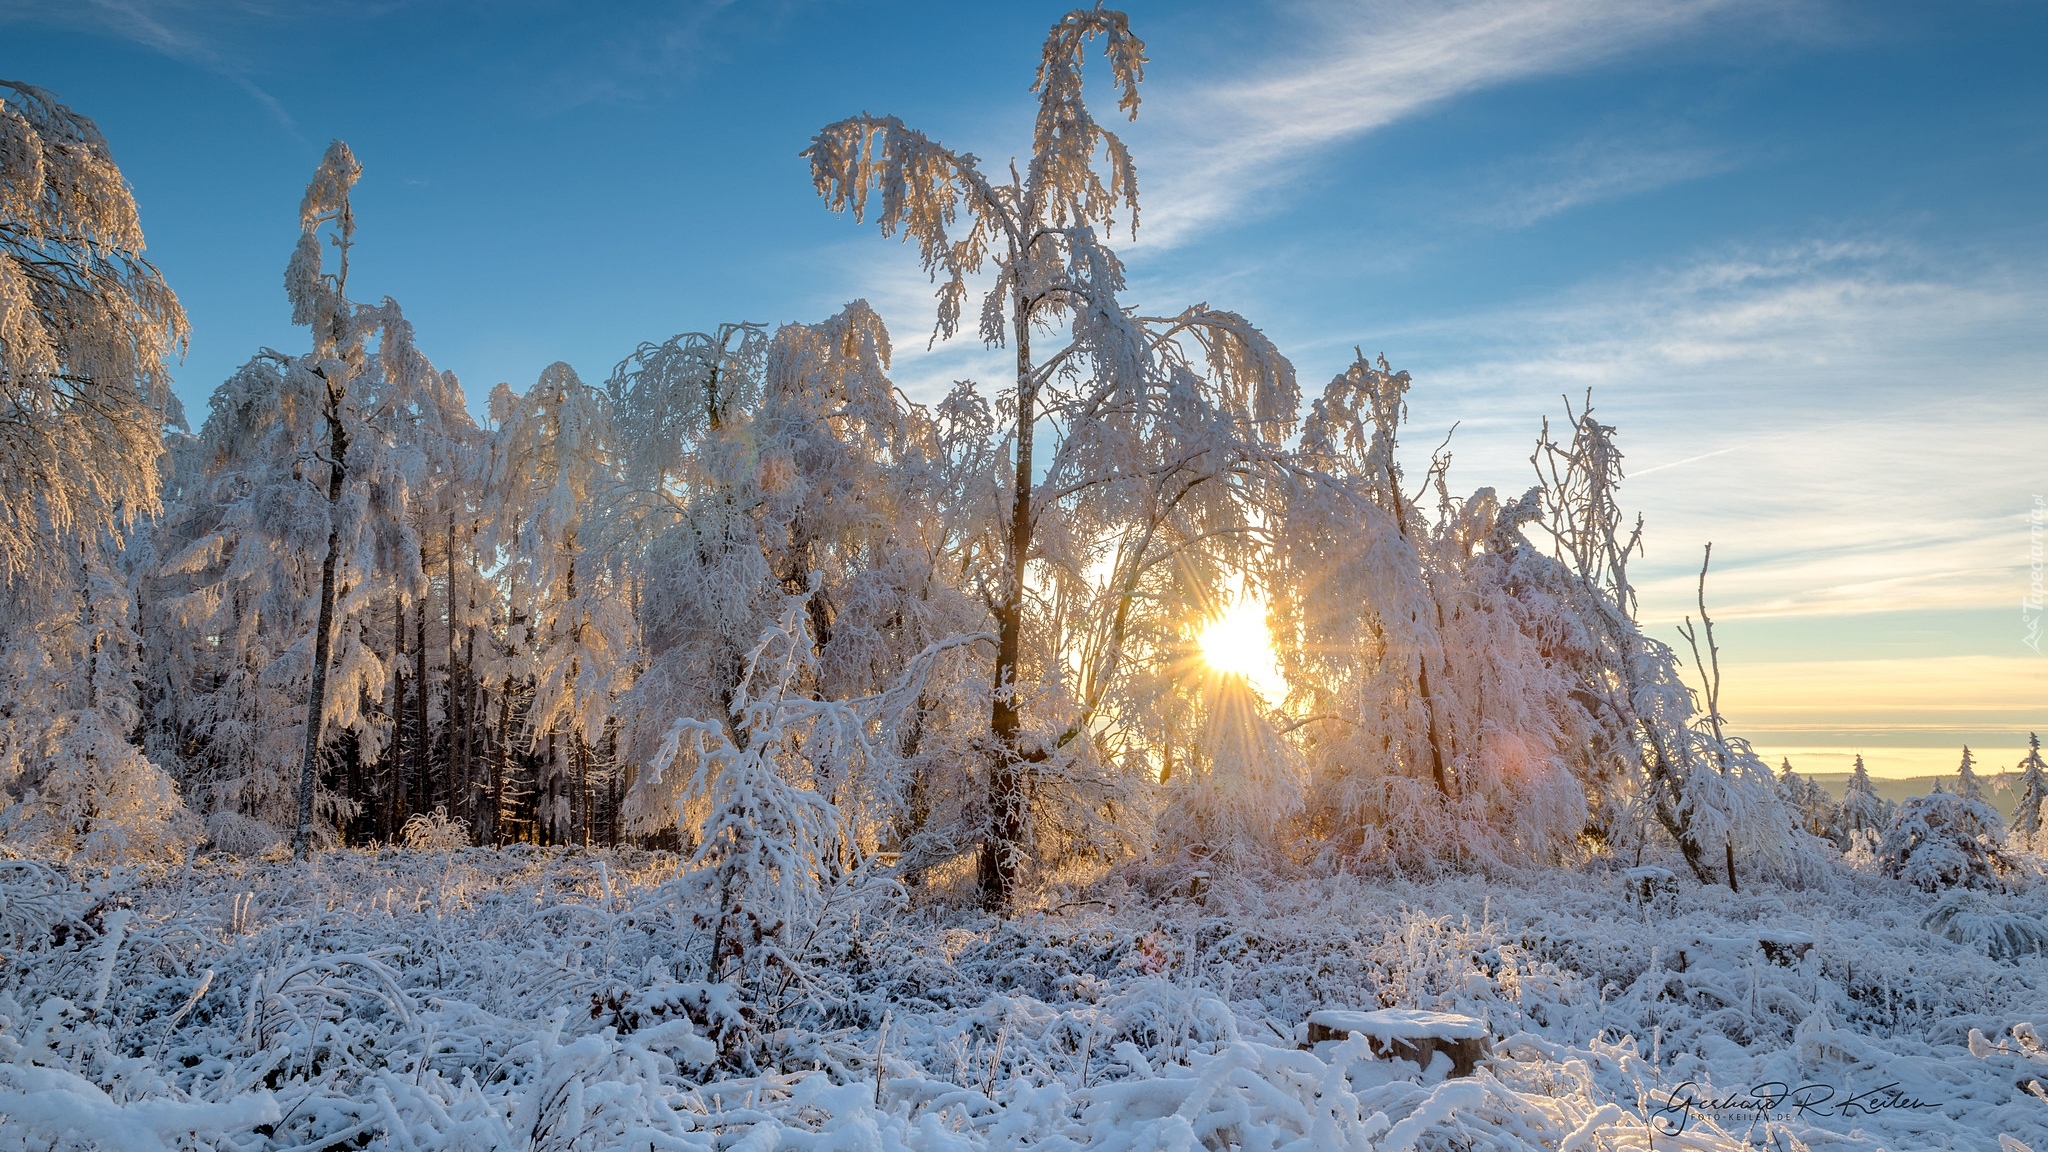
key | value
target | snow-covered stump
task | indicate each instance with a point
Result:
(1647, 882)
(1405, 1034)
(1784, 947)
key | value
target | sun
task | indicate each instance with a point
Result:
(1236, 643)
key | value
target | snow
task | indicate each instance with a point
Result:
(518, 998)
(1401, 1024)
(876, 672)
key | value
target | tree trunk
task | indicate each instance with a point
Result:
(1002, 850)
(401, 792)
(1436, 748)
(500, 765)
(422, 750)
(323, 639)
(583, 785)
(452, 712)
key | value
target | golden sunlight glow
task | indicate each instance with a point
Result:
(1236, 643)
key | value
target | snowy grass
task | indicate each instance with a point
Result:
(528, 999)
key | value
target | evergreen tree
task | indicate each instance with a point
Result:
(1945, 840)
(1967, 784)
(2026, 815)
(1863, 810)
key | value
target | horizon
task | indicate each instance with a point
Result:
(1804, 283)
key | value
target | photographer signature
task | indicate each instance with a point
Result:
(1688, 1101)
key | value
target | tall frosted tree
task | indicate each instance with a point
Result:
(552, 460)
(299, 526)
(87, 326)
(1101, 393)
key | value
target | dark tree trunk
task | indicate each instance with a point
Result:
(323, 636)
(1002, 849)
(422, 749)
(401, 790)
(500, 757)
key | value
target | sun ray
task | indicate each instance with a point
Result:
(1236, 643)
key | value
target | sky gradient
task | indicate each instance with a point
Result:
(1798, 250)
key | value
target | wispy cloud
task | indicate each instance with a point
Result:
(573, 56)
(1592, 171)
(187, 30)
(1838, 417)
(1225, 146)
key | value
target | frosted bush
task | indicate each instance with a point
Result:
(241, 835)
(1943, 840)
(1975, 921)
(434, 831)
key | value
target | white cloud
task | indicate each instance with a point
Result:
(180, 29)
(1226, 145)
(1844, 425)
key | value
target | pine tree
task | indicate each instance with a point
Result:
(1862, 809)
(1967, 784)
(2026, 815)
(1945, 840)
(1815, 811)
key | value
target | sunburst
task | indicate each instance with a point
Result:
(1235, 643)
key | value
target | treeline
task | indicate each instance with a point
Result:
(747, 600)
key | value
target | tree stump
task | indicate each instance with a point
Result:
(1403, 1034)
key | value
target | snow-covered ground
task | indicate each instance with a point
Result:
(534, 999)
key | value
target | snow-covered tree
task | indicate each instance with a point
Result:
(791, 467)
(1439, 730)
(1968, 786)
(315, 455)
(552, 458)
(1864, 812)
(2033, 785)
(1706, 789)
(86, 328)
(1813, 810)
(769, 842)
(72, 782)
(1108, 391)
(1945, 840)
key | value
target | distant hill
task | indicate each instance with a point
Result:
(2001, 789)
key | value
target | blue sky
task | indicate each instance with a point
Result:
(1797, 247)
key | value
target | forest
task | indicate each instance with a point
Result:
(735, 753)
